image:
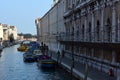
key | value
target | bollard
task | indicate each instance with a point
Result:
(111, 72)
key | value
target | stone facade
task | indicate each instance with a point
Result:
(92, 30)
(1, 32)
(37, 22)
(51, 25)
(89, 29)
(9, 31)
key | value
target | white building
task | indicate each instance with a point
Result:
(9, 31)
(13, 30)
(1, 32)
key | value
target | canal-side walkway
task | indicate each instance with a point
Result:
(79, 69)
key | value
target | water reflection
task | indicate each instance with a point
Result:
(12, 67)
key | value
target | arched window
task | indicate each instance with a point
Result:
(83, 32)
(72, 31)
(109, 29)
(77, 31)
(89, 31)
(98, 30)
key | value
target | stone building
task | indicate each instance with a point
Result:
(92, 31)
(51, 25)
(1, 32)
(37, 22)
(89, 30)
(9, 31)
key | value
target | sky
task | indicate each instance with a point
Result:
(22, 13)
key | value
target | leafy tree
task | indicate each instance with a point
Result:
(28, 35)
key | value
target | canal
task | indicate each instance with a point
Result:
(12, 67)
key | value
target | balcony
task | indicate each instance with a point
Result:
(68, 38)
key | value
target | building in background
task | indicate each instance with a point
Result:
(37, 22)
(8, 31)
(20, 38)
(5, 31)
(13, 32)
(1, 32)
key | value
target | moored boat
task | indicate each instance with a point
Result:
(47, 63)
(28, 57)
(1, 48)
(23, 47)
(37, 54)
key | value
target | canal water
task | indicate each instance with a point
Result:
(12, 67)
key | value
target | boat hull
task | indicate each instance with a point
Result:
(48, 63)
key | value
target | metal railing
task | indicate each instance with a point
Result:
(79, 37)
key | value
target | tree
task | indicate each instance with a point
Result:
(28, 35)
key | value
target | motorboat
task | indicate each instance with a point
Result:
(23, 47)
(37, 55)
(28, 57)
(1, 48)
(47, 63)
